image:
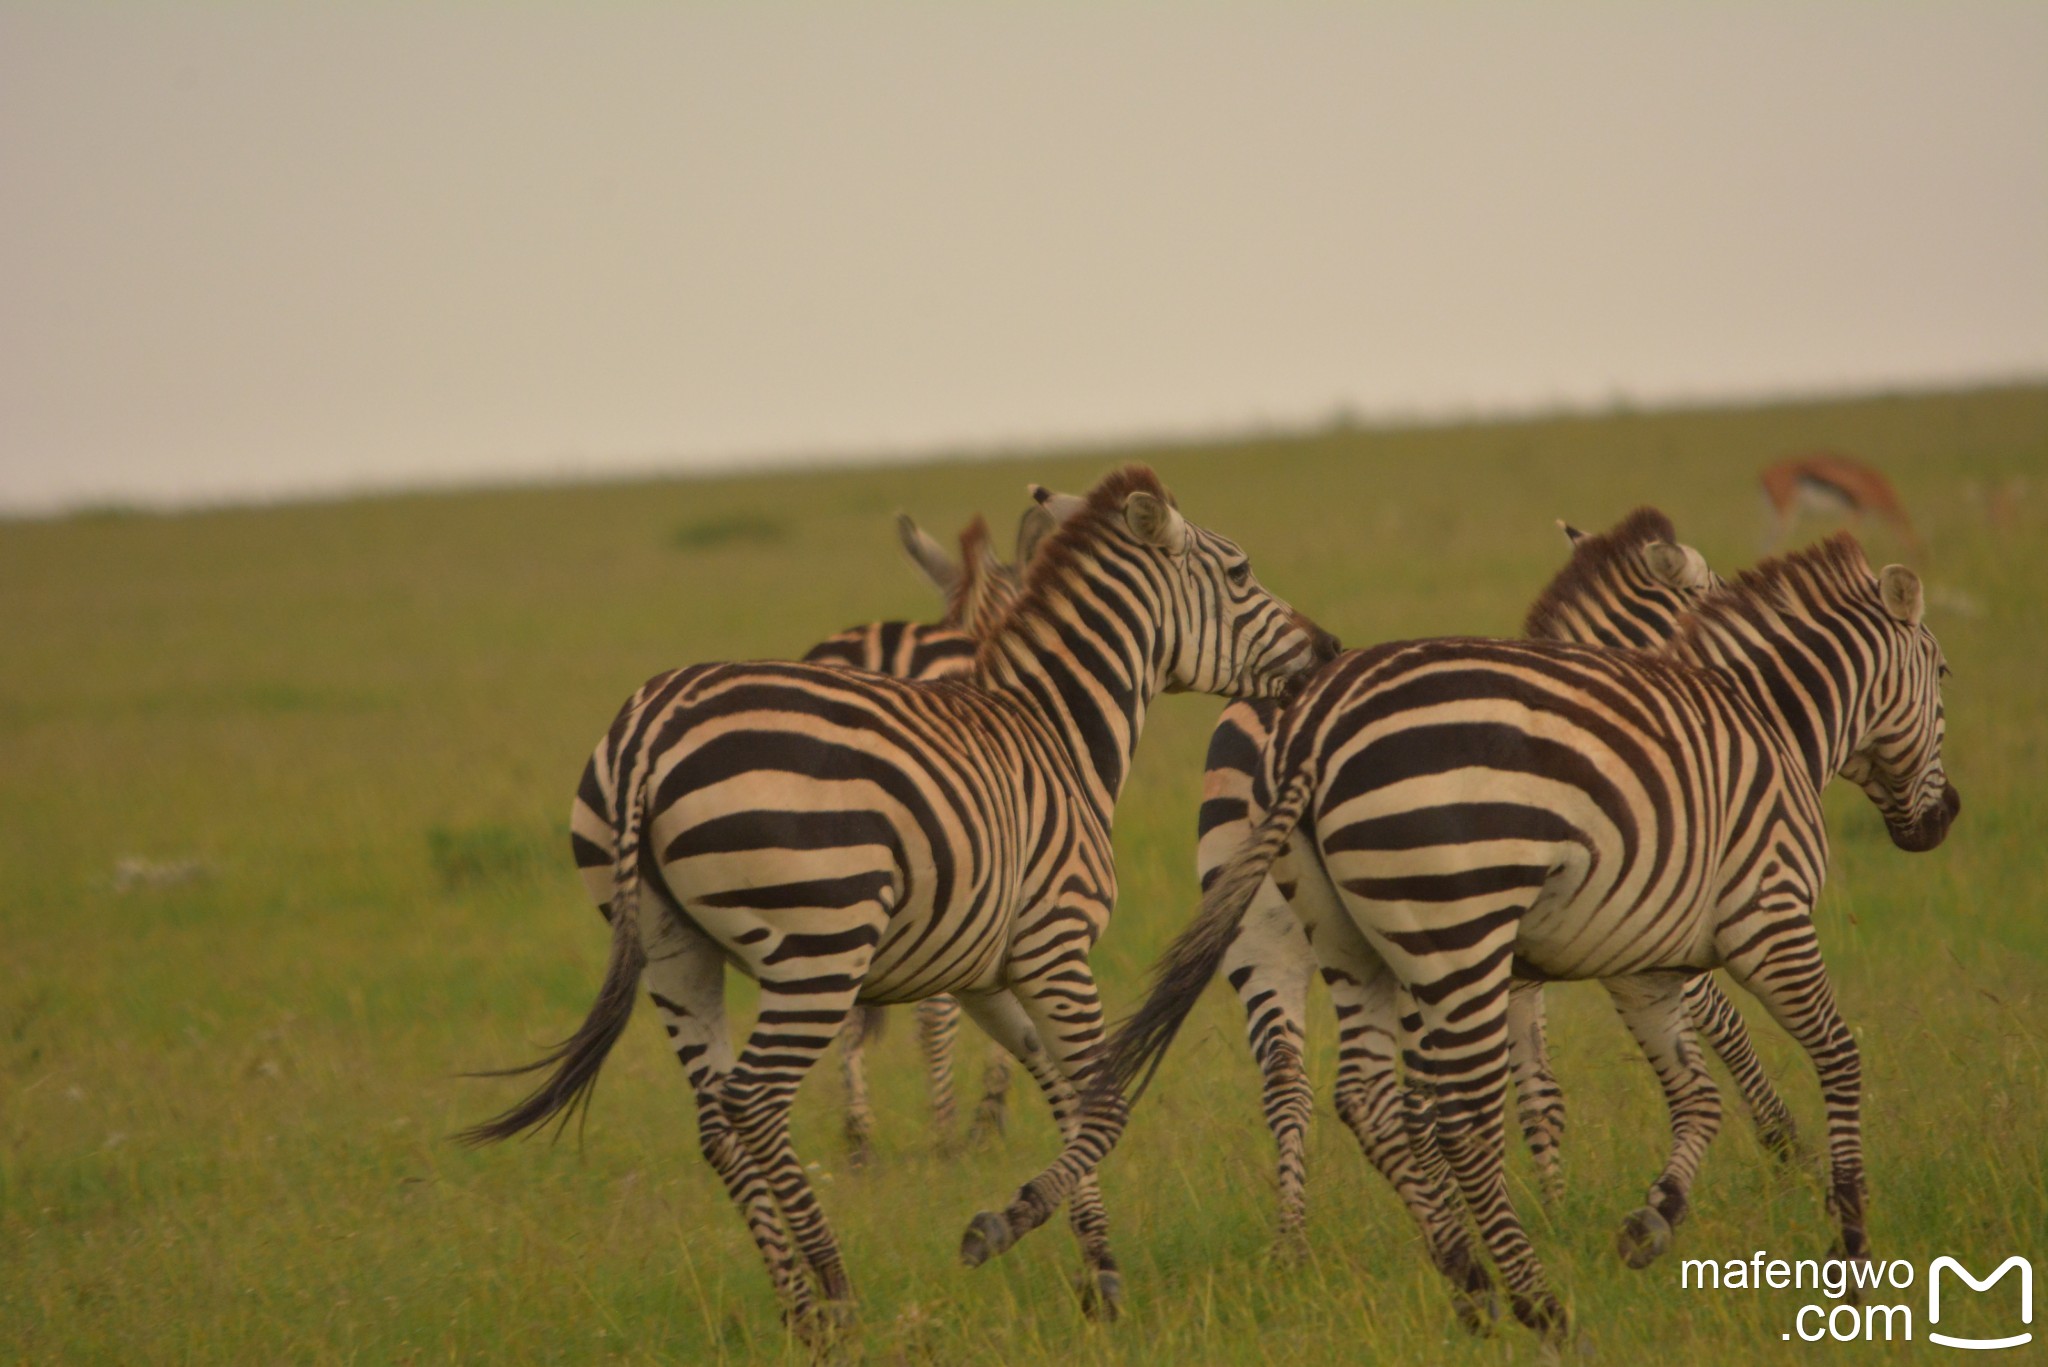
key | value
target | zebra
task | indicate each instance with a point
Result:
(977, 590)
(1625, 589)
(1471, 809)
(843, 836)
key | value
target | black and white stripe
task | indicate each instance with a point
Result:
(842, 836)
(1625, 588)
(978, 590)
(1452, 813)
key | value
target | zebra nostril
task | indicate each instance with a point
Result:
(1951, 800)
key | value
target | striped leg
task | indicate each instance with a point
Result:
(1458, 1057)
(1269, 965)
(685, 977)
(1720, 1024)
(1370, 1100)
(1783, 969)
(938, 1031)
(991, 1113)
(863, 1023)
(800, 1015)
(1004, 1018)
(1397, 1134)
(1461, 1062)
(1539, 1101)
(1652, 1005)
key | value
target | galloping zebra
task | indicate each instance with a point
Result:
(1471, 809)
(843, 836)
(978, 590)
(1624, 588)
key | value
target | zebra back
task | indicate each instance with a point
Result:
(1625, 587)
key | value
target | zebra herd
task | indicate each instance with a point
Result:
(1631, 793)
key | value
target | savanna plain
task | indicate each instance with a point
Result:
(283, 811)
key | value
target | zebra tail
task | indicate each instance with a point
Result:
(577, 1059)
(1137, 1049)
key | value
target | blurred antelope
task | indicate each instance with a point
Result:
(1829, 484)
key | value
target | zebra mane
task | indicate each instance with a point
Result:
(985, 588)
(1595, 560)
(1825, 576)
(1100, 519)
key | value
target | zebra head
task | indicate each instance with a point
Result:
(1898, 761)
(1220, 630)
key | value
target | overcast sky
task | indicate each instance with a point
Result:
(256, 249)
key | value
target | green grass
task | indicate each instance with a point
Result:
(224, 1102)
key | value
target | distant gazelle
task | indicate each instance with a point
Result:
(1830, 484)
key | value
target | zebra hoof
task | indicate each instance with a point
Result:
(1780, 1140)
(1102, 1294)
(1478, 1311)
(1645, 1237)
(1476, 1302)
(986, 1130)
(1576, 1347)
(988, 1236)
(823, 1327)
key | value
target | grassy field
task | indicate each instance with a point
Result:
(224, 1098)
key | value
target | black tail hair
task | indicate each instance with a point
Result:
(577, 1059)
(1135, 1052)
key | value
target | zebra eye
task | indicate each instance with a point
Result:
(1240, 574)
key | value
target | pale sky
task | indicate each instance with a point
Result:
(252, 250)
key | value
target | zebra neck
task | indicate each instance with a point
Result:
(1091, 669)
(1809, 678)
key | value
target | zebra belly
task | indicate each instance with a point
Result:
(924, 955)
(1578, 935)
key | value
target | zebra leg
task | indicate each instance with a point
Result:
(685, 978)
(1652, 1005)
(1717, 1020)
(1396, 1130)
(800, 1015)
(1785, 972)
(1003, 1017)
(1369, 1098)
(862, 1024)
(991, 1113)
(1539, 1101)
(938, 1027)
(1460, 1060)
(1269, 965)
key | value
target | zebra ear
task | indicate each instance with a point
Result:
(927, 554)
(1572, 534)
(1032, 529)
(1679, 567)
(1059, 506)
(1902, 594)
(1155, 522)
